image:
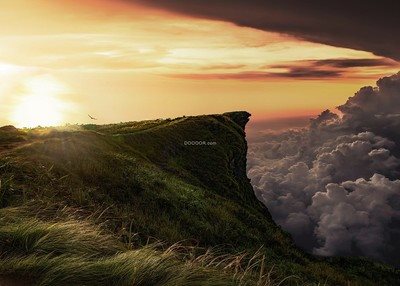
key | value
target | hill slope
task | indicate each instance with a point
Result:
(149, 179)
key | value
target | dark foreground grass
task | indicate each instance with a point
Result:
(76, 252)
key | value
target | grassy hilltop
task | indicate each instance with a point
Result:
(89, 205)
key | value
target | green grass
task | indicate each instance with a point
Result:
(139, 183)
(73, 251)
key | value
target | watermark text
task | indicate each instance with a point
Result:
(199, 143)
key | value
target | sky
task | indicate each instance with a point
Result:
(133, 60)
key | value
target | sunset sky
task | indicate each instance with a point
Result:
(128, 60)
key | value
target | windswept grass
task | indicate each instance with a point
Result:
(27, 236)
(75, 252)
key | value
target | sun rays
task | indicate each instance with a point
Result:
(40, 103)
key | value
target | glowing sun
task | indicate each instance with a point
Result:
(40, 104)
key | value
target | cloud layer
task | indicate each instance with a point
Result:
(341, 23)
(335, 185)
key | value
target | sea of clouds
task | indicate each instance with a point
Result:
(335, 185)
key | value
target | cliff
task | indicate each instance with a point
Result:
(177, 180)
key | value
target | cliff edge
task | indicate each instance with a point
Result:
(176, 180)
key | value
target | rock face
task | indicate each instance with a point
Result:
(239, 117)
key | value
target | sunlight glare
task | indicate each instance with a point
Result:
(41, 105)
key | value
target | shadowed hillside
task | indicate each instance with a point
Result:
(78, 201)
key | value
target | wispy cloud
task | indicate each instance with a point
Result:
(258, 75)
(368, 26)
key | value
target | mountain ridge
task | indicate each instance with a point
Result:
(144, 179)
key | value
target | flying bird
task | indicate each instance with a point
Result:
(91, 117)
